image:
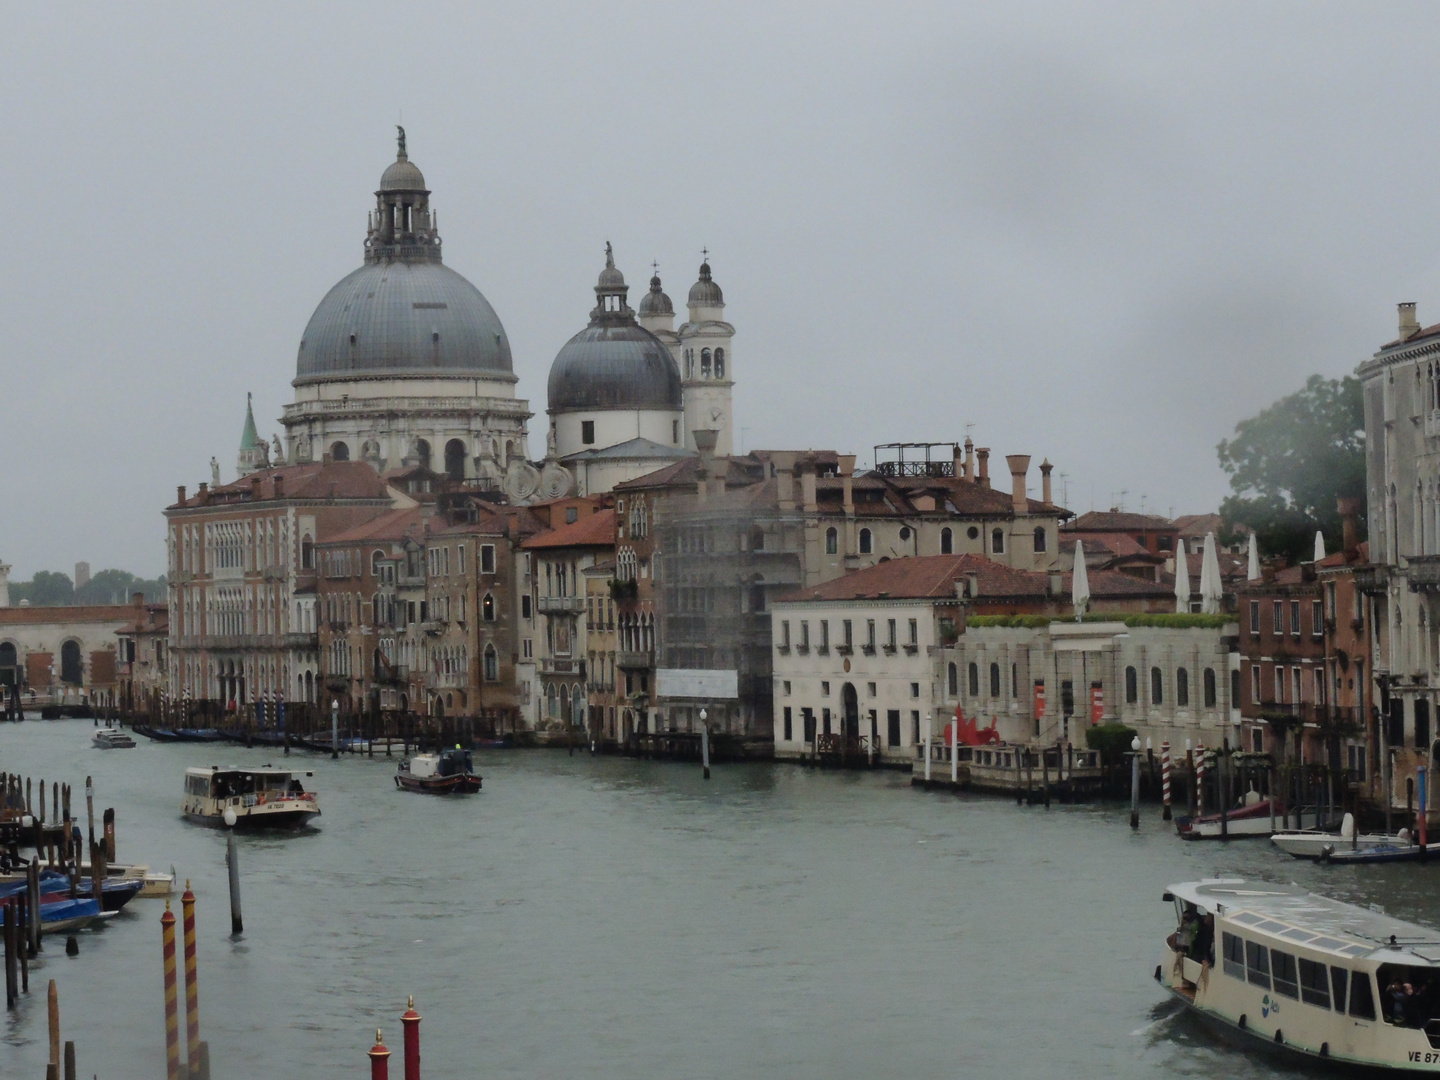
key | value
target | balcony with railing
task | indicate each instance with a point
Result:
(635, 658)
(560, 605)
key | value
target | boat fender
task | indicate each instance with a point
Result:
(1279, 1036)
(1157, 972)
(1325, 1049)
(1244, 1022)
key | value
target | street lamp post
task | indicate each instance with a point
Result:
(705, 742)
(334, 729)
(1135, 782)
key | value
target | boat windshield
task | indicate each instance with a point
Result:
(1409, 994)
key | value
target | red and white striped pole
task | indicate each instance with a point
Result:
(1165, 778)
(172, 1021)
(411, 1020)
(1199, 779)
(379, 1059)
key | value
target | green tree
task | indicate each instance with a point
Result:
(1289, 464)
(45, 589)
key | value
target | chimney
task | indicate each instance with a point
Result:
(785, 478)
(1045, 489)
(1408, 323)
(957, 467)
(969, 458)
(1019, 466)
(983, 454)
(203, 493)
(1350, 525)
(705, 443)
(807, 485)
(137, 599)
(254, 489)
(180, 493)
(972, 583)
(847, 482)
(279, 485)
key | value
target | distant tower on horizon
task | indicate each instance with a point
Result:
(82, 574)
(254, 454)
(4, 585)
(707, 368)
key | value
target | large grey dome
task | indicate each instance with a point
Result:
(614, 367)
(403, 318)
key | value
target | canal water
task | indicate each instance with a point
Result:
(609, 918)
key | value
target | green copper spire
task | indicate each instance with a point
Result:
(249, 440)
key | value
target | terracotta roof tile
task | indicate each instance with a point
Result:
(596, 530)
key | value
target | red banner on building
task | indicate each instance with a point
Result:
(1097, 703)
(1039, 699)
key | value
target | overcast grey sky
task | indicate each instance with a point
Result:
(1101, 234)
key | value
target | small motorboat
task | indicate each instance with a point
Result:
(115, 893)
(112, 739)
(263, 798)
(1314, 843)
(153, 883)
(1248, 820)
(66, 916)
(449, 772)
(1397, 850)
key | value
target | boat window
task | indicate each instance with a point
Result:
(1257, 964)
(1247, 918)
(1234, 948)
(1271, 926)
(1359, 950)
(1328, 943)
(1283, 965)
(1362, 997)
(1338, 978)
(1314, 983)
(1298, 934)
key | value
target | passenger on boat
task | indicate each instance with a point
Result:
(1401, 997)
(1203, 947)
(1183, 939)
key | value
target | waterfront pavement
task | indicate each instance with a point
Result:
(603, 917)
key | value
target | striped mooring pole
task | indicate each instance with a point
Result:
(1165, 778)
(379, 1059)
(1199, 779)
(172, 1021)
(192, 987)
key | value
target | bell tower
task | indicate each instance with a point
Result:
(706, 364)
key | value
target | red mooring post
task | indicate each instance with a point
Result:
(172, 1021)
(379, 1059)
(411, 1020)
(192, 986)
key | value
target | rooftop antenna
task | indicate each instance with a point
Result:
(968, 425)
(1142, 503)
(1065, 489)
(1121, 503)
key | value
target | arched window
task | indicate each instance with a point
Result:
(455, 459)
(865, 542)
(704, 363)
(1182, 687)
(719, 363)
(974, 680)
(757, 597)
(994, 680)
(492, 664)
(1132, 689)
(72, 670)
(997, 541)
(1157, 687)
(757, 539)
(307, 553)
(553, 701)
(487, 608)
(947, 541)
(1209, 688)
(832, 541)
(376, 557)
(1040, 538)
(422, 453)
(689, 363)
(339, 451)
(954, 677)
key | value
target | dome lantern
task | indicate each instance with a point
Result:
(402, 226)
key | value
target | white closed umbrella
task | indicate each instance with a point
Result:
(1080, 582)
(1252, 573)
(1319, 545)
(1211, 589)
(1182, 578)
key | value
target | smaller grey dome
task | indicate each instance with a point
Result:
(705, 292)
(655, 302)
(613, 365)
(402, 175)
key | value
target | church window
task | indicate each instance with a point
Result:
(866, 544)
(997, 541)
(1040, 538)
(675, 432)
(832, 541)
(422, 453)
(307, 553)
(492, 664)
(487, 608)
(689, 363)
(455, 459)
(973, 532)
(947, 542)
(339, 451)
(719, 363)
(587, 432)
(704, 363)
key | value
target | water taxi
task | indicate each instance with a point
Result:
(264, 798)
(449, 772)
(112, 739)
(1312, 976)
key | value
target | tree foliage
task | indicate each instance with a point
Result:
(49, 588)
(1289, 464)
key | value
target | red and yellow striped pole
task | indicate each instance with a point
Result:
(192, 987)
(379, 1059)
(172, 1022)
(411, 1019)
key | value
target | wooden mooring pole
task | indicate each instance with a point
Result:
(232, 864)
